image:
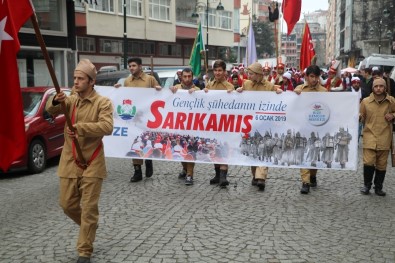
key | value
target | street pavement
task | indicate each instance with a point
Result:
(162, 220)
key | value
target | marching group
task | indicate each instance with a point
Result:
(82, 173)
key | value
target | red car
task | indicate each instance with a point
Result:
(44, 133)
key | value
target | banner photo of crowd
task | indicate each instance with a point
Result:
(253, 128)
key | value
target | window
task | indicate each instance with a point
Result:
(187, 50)
(211, 18)
(170, 50)
(50, 15)
(102, 5)
(225, 20)
(111, 46)
(136, 48)
(133, 7)
(159, 9)
(86, 44)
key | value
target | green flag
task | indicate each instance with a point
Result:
(196, 60)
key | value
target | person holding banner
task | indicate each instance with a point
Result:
(80, 184)
(257, 82)
(186, 84)
(219, 83)
(138, 79)
(377, 112)
(312, 78)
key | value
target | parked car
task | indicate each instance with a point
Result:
(167, 78)
(44, 133)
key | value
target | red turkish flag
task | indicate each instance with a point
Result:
(307, 49)
(13, 14)
(291, 11)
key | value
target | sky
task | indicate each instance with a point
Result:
(312, 5)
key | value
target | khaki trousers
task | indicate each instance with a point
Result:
(223, 167)
(376, 158)
(306, 173)
(137, 161)
(79, 198)
(188, 167)
(259, 172)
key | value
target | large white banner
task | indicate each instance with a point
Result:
(310, 130)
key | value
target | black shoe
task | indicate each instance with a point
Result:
(83, 260)
(137, 176)
(313, 181)
(215, 179)
(254, 181)
(223, 182)
(149, 168)
(305, 189)
(379, 192)
(188, 180)
(261, 184)
(182, 175)
(365, 190)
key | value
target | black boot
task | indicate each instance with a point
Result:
(305, 189)
(253, 170)
(137, 176)
(183, 174)
(215, 179)
(149, 168)
(261, 184)
(378, 183)
(223, 182)
(368, 172)
(313, 180)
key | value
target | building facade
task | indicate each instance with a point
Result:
(365, 27)
(162, 29)
(56, 22)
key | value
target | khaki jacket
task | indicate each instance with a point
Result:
(377, 132)
(263, 85)
(220, 85)
(143, 81)
(307, 88)
(181, 86)
(93, 119)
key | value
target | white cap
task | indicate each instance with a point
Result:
(287, 75)
(355, 79)
(375, 69)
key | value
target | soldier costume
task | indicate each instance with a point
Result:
(187, 84)
(328, 148)
(377, 112)
(219, 83)
(257, 82)
(312, 85)
(139, 79)
(342, 139)
(80, 185)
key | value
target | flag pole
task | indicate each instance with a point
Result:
(44, 50)
(276, 39)
(248, 34)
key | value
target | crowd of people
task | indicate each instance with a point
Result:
(82, 172)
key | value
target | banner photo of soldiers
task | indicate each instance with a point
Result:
(253, 128)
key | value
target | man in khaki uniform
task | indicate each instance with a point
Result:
(309, 176)
(80, 185)
(377, 112)
(257, 82)
(219, 83)
(138, 79)
(186, 84)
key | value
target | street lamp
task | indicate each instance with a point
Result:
(125, 38)
(219, 8)
(385, 14)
